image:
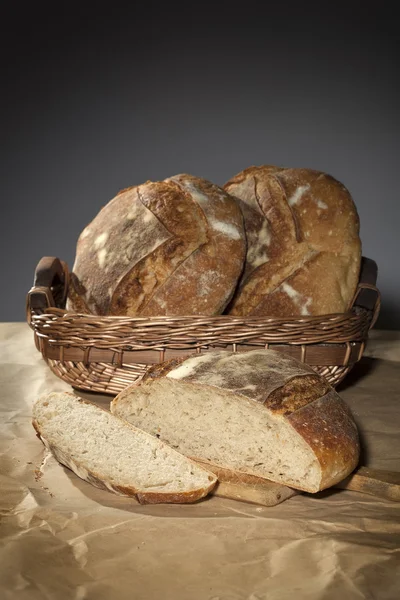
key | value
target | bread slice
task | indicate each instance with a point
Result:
(259, 413)
(112, 454)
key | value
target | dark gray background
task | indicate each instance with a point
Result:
(94, 102)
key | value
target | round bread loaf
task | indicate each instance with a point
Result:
(303, 245)
(172, 247)
(259, 413)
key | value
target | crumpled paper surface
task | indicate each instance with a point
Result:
(62, 538)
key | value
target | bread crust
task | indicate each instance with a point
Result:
(329, 429)
(161, 369)
(95, 479)
(172, 247)
(304, 251)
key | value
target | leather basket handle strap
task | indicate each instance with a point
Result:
(367, 294)
(50, 286)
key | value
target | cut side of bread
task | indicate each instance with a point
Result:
(111, 454)
(259, 413)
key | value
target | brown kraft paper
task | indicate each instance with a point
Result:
(62, 538)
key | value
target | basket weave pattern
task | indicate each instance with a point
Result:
(105, 354)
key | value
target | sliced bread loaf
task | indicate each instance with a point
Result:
(112, 454)
(259, 413)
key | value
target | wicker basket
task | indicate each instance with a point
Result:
(105, 354)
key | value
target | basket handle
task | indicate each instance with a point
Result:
(367, 294)
(50, 286)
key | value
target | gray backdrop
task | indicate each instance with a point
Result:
(92, 103)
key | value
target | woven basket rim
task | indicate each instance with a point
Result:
(64, 314)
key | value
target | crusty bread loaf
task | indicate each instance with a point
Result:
(173, 247)
(112, 454)
(259, 413)
(303, 245)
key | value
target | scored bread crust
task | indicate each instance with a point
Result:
(316, 412)
(303, 244)
(95, 479)
(170, 247)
